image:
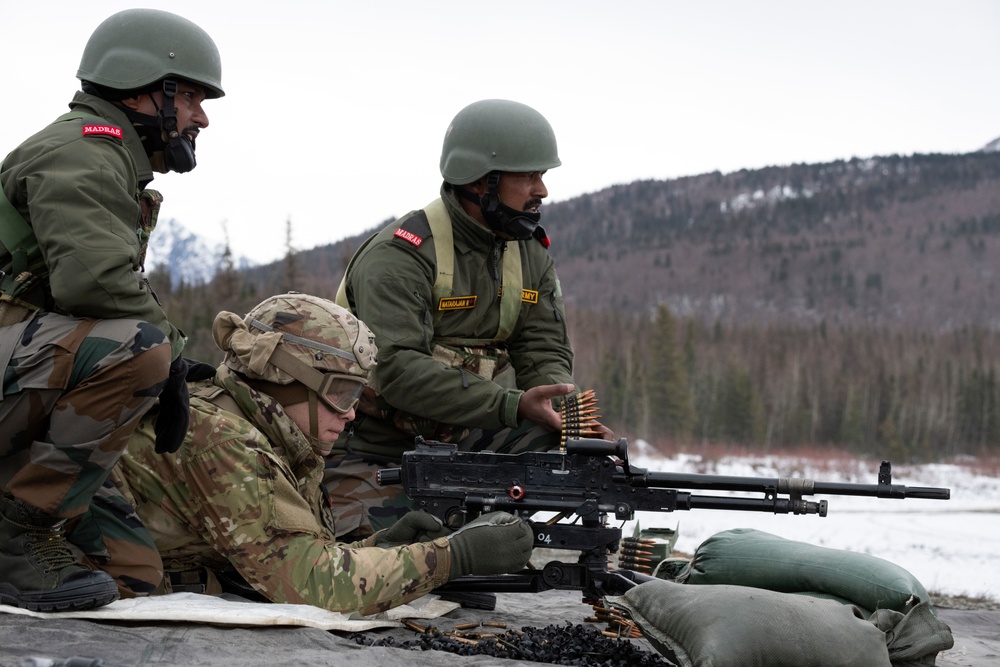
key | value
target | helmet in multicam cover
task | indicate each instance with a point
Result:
(298, 339)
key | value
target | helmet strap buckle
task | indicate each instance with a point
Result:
(179, 152)
(506, 222)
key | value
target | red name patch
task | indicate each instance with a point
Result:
(105, 130)
(408, 236)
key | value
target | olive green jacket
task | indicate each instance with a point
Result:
(389, 287)
(77, 184)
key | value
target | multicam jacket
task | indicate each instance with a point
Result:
(244, 490)
(79, 184)
(389, 286)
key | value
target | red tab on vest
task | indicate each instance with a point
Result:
(102, 130)
(408, 236)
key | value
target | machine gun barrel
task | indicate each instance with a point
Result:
(593, 478)
(793, 486)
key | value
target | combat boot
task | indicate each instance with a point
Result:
(38, 571)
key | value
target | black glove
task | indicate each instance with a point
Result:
(172, 420)
(199, 370)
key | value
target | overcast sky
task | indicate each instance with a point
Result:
(335, 111)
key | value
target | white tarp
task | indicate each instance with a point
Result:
(196, 608)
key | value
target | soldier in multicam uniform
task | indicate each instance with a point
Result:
(467, 311)
(85, 346)
(241, 506)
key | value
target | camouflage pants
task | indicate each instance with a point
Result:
(74, 389)
(361, 506)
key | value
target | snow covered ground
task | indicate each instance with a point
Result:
(952, 546)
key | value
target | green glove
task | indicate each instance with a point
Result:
(415, 526)
(495, 543)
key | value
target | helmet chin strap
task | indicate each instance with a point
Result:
(159, 133)
(508, 223)
(313, 435)
(179, 151)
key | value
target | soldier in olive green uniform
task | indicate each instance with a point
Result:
(467, 312)
(241, 506)
(85, 347)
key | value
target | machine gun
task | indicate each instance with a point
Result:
(593, 480)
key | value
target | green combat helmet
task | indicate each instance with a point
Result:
(296, 347)
(140, 50)
(135, 48)
(493, 136)
(497, 135)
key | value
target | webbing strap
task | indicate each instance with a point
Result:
(444, 260)
(444, 250)
(510, 299)
(444, 254)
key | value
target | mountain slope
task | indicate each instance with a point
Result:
(889, 241)
(187, 257)
(897, 241)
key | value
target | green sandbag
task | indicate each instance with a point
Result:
(746, 557)
(738, 626)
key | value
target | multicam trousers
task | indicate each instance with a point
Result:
(361, 506)
(74, 389)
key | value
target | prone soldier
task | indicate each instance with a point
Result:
(240, 506)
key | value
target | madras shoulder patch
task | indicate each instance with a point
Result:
(94, 129)
(414, 230)
(457, 302)
(401, 233)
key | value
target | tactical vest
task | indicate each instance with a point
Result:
(487, 358)
(24, 285)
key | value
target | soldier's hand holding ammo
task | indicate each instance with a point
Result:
(495, 543)
(536, 405)
(171, 423)
(415, 526)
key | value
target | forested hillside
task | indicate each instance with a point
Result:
(895, 241)
(851, 304)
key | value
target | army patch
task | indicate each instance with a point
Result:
(457, 302)
(527, 295)
(90, 129)
(401, 233)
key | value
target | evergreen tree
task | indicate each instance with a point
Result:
(671, 407)
(740, 414)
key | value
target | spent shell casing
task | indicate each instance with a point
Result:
(413, 625)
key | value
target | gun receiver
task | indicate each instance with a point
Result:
(593, 480)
